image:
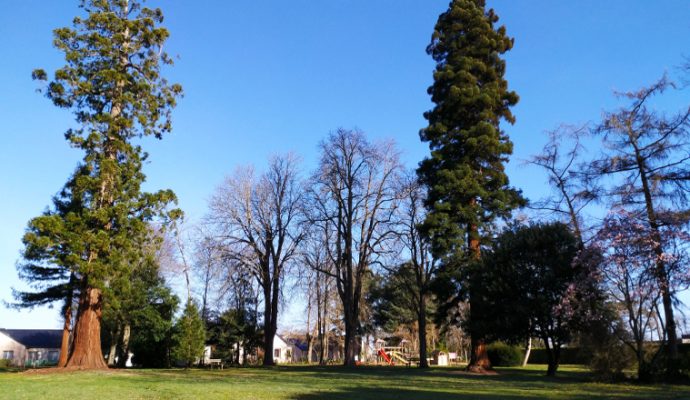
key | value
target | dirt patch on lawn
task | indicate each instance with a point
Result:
(67, 370)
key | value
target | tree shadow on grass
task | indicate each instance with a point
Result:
(360, 393)
(503, 375)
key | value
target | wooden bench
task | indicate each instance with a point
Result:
(215, 362)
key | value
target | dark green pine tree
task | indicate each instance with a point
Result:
(139, 305)
(190, 336)
(46, 266)
(465, 176)
(112, 83)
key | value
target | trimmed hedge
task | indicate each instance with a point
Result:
(575, 355)
(504, 355)
(569, 355)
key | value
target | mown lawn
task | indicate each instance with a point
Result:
(309, 383)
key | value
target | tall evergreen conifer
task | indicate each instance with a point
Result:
(190, 336)
(112, 83)
(468, 187)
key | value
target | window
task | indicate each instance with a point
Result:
(276, 353)
(8, 355)
(33, 355)
(288, 354)
(53, 355)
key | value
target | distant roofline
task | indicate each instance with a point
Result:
(35, 338)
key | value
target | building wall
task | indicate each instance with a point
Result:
(9, 344)
(285, 349)
(42, 356)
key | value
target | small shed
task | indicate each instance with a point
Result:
(440, 358)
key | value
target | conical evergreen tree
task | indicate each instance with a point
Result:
(468, 187)
(112, 82)
(190, 335)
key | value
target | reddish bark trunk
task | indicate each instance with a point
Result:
(64, 346)
(479, 358)
(86, 352)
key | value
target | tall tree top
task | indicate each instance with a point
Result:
(112, 78)
(467, 183)
(112, 82)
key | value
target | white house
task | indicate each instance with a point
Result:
(288, 350)
(30, 347)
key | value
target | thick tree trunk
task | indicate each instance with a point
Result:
(423, 363)
(66, 327)
(554, 361)
(479, 358)
(87, 352)
(268, 342)
(351, 342)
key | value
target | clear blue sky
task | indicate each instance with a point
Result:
(272, 76)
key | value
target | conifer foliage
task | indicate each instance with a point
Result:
(190, 336)
(112, 82)
(467, 185)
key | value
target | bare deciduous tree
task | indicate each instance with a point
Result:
(559, 159)
(421, 265)
(318, 286)
(259, 221)
(354, 194)
(647, 166)
(627, 271)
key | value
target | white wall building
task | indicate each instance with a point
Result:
(30, 347)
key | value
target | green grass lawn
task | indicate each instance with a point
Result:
(310, 383)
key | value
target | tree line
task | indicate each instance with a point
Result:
(372, 245)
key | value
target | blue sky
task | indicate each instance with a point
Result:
(262, 77)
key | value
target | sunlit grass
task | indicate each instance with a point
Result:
(307, 382)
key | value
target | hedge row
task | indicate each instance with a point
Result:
(574, 355)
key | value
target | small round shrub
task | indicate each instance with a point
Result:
(504, 355)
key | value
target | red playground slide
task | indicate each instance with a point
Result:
(383, 354)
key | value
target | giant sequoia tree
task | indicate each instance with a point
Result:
(112, 83)
(467, 184)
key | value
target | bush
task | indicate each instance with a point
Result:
(5, 364)
(601, 348)
(504, 355)
(608, 364)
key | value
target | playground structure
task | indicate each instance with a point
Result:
(402, 355)
(393, 354)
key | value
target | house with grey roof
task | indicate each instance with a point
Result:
(30, 347)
